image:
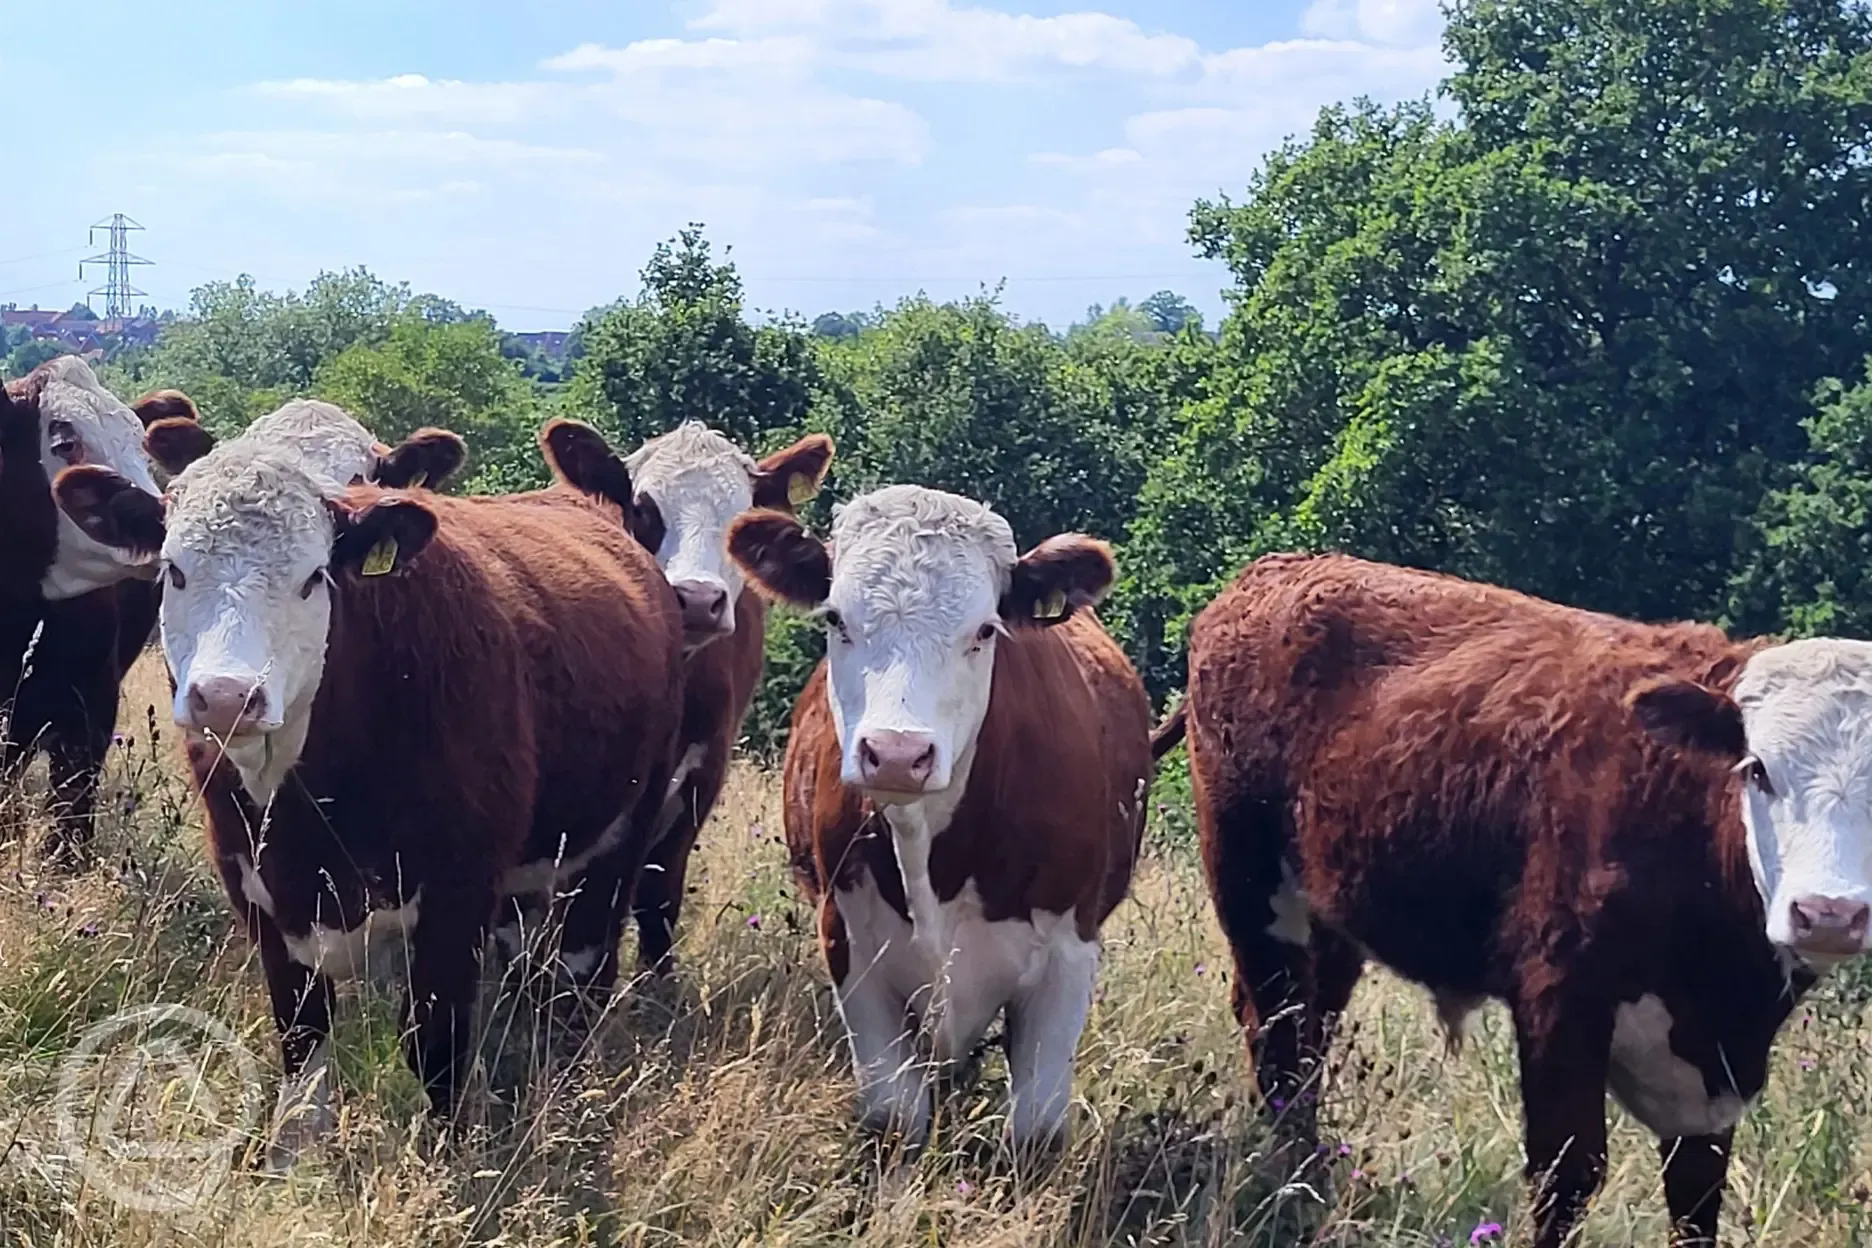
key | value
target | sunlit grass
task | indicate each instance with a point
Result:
(716, 1109)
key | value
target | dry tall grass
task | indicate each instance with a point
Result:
(715, 1110)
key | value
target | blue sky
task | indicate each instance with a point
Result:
(525, 158)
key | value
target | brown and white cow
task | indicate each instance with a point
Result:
(73, 614)
(399, 707)
(964, 787)
(321, 435)
(1647, 840)
(682, 490)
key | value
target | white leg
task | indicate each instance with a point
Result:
(303, 1115)
(892, 1090)
(1044, 1023)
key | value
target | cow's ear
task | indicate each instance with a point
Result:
(165, 405)
(382, 539)
(428, 457)
(110, 510)
(1056, 578)
(19, 408)
(1690, 716)
(787, 478)
(646, 522)
(175, 442)
(780, 558)
(580, 457)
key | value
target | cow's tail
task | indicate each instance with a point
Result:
(1169, 734)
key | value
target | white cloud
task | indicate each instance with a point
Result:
(939, 41)
(1397, 22)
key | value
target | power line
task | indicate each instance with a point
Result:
(117, 290)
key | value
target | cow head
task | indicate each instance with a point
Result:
(253, 544)
(1797, 731)
(325, 438)
(56, 417)
(916, 590)
(690, 485)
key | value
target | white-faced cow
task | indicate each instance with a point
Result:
(964, 787)
(394, 703)
(1647, 840)
(689, 486)
(74, 613)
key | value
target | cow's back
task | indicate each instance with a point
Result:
(1456, 757)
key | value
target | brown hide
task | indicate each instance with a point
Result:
(1052, 817)
(1452, 773)
(516, 683)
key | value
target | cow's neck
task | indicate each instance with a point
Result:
(263, 762)
(914, 827)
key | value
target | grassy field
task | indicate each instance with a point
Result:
(716, 1109)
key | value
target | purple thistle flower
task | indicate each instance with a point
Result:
(1200, 968)
(1806, 1063)
(1485, 1233)
(964, 1188)
(753, 921)
(1278, 1103)
(1345, 1150)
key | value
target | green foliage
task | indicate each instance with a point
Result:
(684, 351)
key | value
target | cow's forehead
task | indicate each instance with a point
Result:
(323, 434)
(243, 504)
(917, 553)
(692, 460)
(1812, 695)
(72, 392)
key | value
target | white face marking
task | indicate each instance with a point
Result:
(1657, 1087)
(246, 601)
(917, 579)
(1807, 710)
(1040, 970)
(700, 481)
(323, 437)
(80, 422)
(1292, 917)
(374, 947)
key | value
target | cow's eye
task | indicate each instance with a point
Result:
(62, 436)
(176, 578)
(1758, 775)
(313, 582)
(983, 636)
(833, 619)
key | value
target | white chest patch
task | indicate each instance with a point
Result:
(377, 946)
(1656, 1086)
(981, 966)
(1292, 920)
(542, 877)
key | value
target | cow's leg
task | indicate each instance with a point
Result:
(658, 899)
(1044, 1025)
(1695, 1169)
(302, 1011)
(444, 976)
(1264, 915)
(1565, 1049)
(73, 764)
(893, 1093)
(593, 926)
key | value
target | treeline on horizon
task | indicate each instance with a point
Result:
(1600, 333)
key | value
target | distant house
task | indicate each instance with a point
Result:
(81, 335)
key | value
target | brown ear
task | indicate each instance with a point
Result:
(1056, 578)
(787, 478)
(1690, 716)
(164, 405)
(381, 539)
(580, 457)
(780, 558)
(110, 510)
(175, 442)
(427, 458)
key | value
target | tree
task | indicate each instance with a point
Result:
(449, 374)
(1560, 343)
(1170, 313)
(683, 350)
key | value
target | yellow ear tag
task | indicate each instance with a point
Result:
(800, 487)
(416, 482)
(1051, 607)
(381, 559)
